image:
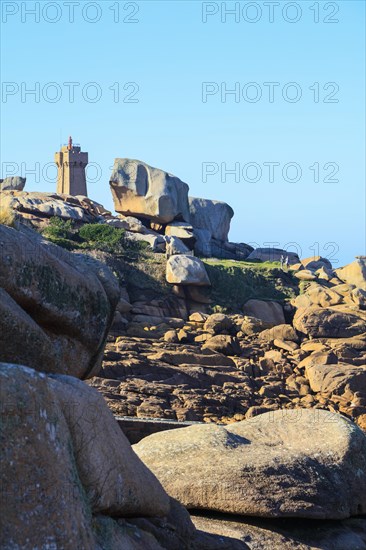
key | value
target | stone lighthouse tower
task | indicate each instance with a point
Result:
(71, 163)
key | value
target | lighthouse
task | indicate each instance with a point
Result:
(71, 164)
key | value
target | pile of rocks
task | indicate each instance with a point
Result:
(223, 368)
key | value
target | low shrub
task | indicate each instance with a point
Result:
(103, 237)
(59, 229)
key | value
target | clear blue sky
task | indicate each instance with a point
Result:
(169, 52)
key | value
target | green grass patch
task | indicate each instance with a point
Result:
(235, 282)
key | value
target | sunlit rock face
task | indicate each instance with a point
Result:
(141, 190)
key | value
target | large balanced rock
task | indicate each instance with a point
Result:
(212, 216)
(293, 463)
(56, 307)
(141, 190)
(269, 312)
(273, 255)
(354, 273)
(182, 269)
(15, 183)
(328, 322)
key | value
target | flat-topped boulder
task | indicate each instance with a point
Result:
(182, 230)
(212, 216)
(273, 255)
(223, 343)
(291, 463)
(155, 241)
(15, 183)
(142, 190)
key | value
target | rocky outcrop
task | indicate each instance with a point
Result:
(186, 270)
(56, 307)
(354, 273)
(315, 460)
(141, 190)
(166, 373)
(67, 471)
(36, 206)
(212, 216)
(329, 322)
(15, 183)
(77, 483)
